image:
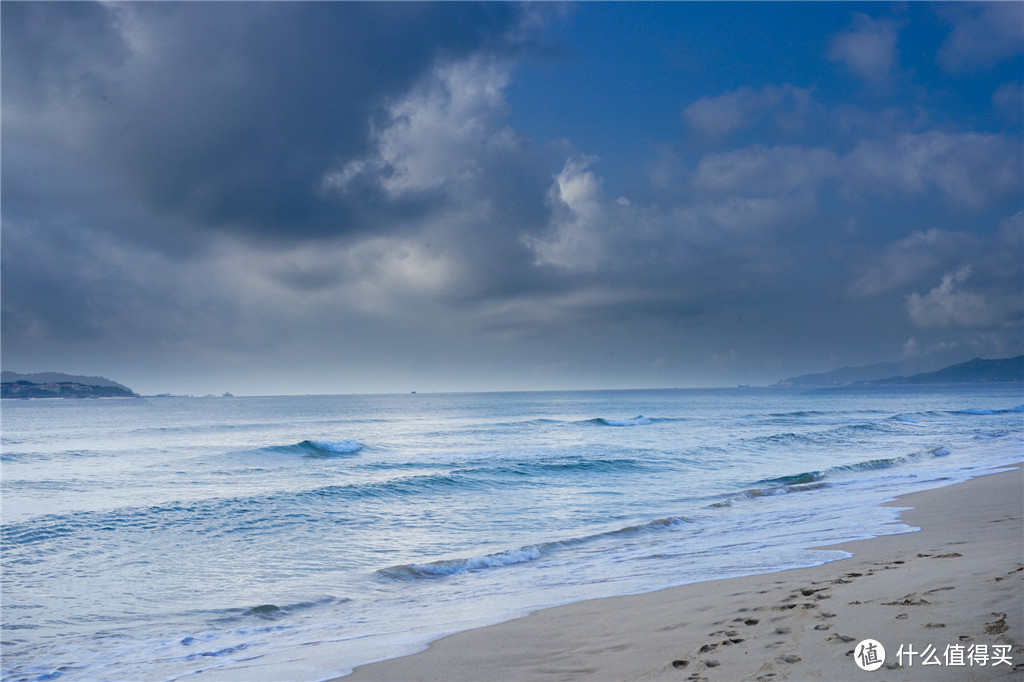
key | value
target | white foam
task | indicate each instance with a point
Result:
(340, 446)
(639, 420)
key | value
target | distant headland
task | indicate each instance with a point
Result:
(58, 385)
(976, 371)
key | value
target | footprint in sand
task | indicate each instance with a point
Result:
(910, 600)
(935, 626)
(940, 589)
(998, 626)
(788, 659)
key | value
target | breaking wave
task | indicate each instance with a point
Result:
(447, 567)
(816, 480)
(638, 420)
(318, 448)
(270, 612)
(985, 411)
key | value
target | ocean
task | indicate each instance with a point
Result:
(294, 538)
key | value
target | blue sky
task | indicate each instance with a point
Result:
(338, 197)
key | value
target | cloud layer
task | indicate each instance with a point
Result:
(341, 197)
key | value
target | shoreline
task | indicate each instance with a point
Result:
(956, 585)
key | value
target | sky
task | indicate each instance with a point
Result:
(290, 198)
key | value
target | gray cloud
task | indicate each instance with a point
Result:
(336, 193)
(983, 35)
(721, 115)
(1008, 101)
(868, 49)
(908, 259)
(967, 169)
(984, 293)
(225, 115)
(949, 304)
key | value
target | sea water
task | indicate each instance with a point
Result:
(297, 537)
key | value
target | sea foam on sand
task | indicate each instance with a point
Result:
(954, 588)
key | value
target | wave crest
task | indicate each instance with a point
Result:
(318, 448)
(521, 555)
(443, 567)
(816, 480)
(638, 420)
(987, 411)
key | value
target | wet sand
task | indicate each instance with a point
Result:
(956, 586)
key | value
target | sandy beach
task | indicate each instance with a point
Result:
(951, 596)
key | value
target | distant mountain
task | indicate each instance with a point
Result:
(853, 375)
(57, 385)
(8, 376)
(976, 371)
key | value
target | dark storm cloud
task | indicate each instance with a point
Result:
(143, 141)
(344, 190)
(223, 115)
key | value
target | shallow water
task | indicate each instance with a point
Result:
(157, 538)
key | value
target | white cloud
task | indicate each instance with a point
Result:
(948, 305)
(908, 259)
(758, 170)
(759, 214)
(577, 239)
(912, 350)
(744, 106)
(1008, 101)
(968, 169)
(868, 49)
(441, 132)
(984, 34)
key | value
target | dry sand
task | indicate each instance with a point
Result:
(958, 583)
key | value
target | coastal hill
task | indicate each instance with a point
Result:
(852, 375)
(973, 371)
(57, 385)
